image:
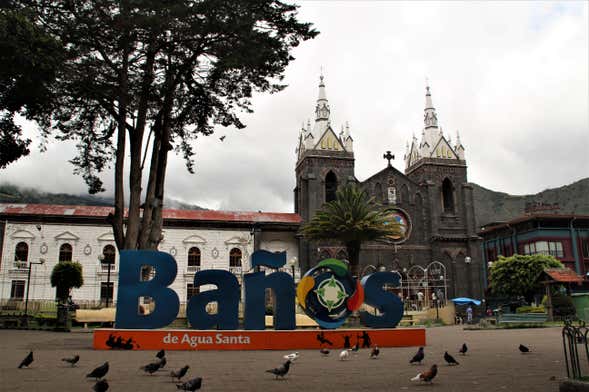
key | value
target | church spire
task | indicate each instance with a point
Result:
(430, 118)
(322, 108)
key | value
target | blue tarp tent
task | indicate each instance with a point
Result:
(466, 301)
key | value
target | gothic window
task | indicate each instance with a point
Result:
(235, 258)
(377, 192)
(194, 257)
(21, 252)
(330, 186)
(296, 200)
(404, 194)
(65, 252)
(448, 195)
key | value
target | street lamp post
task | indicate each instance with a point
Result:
(41, 261)
(293, 262)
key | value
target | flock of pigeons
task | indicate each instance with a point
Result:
(195, 384)
(426, 376)
(100, 372)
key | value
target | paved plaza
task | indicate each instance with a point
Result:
(493, 363)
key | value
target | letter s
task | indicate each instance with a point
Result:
(389, 304)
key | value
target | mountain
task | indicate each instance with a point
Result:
(15, 194)
(491, 206)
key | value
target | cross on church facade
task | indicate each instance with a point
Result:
(388, 156)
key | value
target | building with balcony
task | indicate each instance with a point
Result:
(565, 237)
(196, 239)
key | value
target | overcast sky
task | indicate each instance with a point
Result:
(511, 77)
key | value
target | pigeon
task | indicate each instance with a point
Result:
(163, 362)
(150, 367)
(27, 361)
(222, 137)
(523, 349)
(344, 355)
(427, 376)
(292, 356)
(160, 354)
(418, 357)
(280, 371)
(464, 349)
(324, 352)
(450, 359)
(71, 361)
(99, 372)
(191, 385)
(179, 373)
(375, 352)
(100, 386)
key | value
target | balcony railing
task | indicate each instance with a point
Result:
(104, 267)
(235, 270)
(20, 265)
(193, 268)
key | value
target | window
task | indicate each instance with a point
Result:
(191, 291)
(106, 291)
(21, 252)
(194, 257)
(448, 196)
(65, 252)
(330, 186)
(552, 248)
(585, 247)
(109, 252)
(17, 290)
(235, 258)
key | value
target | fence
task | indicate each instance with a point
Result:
(573, 337)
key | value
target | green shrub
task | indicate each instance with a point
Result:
(530, 309)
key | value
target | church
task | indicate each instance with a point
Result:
(439, 254)
(437, 257)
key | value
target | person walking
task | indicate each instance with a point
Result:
(469, 314)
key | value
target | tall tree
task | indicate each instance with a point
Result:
(520, 275)
(145, 77)
(29, 59)
(352, 218)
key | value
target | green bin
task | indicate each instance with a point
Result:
(581, 303)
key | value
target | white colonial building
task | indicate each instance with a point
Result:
(34, 238)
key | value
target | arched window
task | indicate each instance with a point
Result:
(194, 257)
(378, 192)
(109, 254)
(330, 186)
(65, 252)
(448, 195)
(235, 258)
(21, 252)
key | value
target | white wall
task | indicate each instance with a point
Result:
(88, 242)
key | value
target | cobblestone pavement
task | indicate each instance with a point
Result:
(493, 363)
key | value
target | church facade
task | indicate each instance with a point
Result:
(440, 251)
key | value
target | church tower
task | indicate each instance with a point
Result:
(437, 164)
(325, 161)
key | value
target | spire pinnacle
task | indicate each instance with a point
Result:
(322, 108)
(430, 118)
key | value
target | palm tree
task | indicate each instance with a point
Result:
(352, 218)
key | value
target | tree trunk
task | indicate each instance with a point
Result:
(353, 249)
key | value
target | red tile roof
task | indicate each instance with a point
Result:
(197, 215)
(564, 275)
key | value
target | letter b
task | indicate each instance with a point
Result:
(131, 288)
